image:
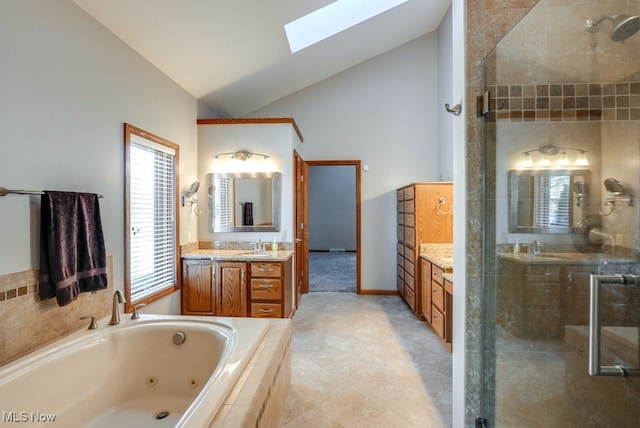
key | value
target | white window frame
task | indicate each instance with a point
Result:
(143, 282)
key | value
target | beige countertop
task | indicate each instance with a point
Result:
(238, 255)
(438, 254)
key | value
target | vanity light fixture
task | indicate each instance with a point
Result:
(242, 155)
(550, 153)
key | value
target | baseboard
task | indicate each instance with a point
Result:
(379, 292)
(330, 250)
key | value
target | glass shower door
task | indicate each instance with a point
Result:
(561, 291)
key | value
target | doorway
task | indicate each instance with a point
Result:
(334, 226)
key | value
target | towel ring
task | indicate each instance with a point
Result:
(441, 202)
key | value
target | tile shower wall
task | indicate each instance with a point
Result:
(29, 323)
(565, 102)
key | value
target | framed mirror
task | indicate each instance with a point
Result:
(547, 201)
(244, 202)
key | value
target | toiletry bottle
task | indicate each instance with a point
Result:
(274, 246)
(516, 247)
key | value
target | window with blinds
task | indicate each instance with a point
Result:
(552, 201)
(152, 219)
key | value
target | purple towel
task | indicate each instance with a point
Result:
(247, 214)
(72, 253)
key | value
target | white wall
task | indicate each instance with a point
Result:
(276, 140)
(67, 87)
(445, 96)
(383, 112)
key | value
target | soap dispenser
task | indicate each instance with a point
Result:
(516, 247)
(274, 246)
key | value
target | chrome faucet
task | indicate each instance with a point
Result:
(535, 248)
(115, 314)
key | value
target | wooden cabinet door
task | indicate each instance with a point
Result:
(198, 287)
(232, 289)
(425, 285)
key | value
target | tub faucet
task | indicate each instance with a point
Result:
(115, 314)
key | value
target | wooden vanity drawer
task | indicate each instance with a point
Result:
(410, 268)
(437, 296)
(266, 310)
(436, 274)
(400, 258)
(409, 192)
(400, 195)
(400, 218)
(409, 253)
(400, 207)
(410, 206)
(410, 220)
(266, 269)
(409, 235)
(437, 321)
(400, 248)
(409, 282)
(400, 284)
(401, 237)
(410, 297)
(266, 289)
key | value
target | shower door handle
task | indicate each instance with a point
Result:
(595, 368)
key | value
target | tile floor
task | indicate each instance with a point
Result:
(365, 361)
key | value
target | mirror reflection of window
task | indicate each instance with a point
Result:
(224, 212)
(552, 201)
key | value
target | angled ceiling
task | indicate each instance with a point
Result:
(233, 55)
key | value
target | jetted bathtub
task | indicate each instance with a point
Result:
(157, 371)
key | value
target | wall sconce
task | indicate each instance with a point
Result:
(242, 155)
(550, 153)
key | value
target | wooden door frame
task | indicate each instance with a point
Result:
(300, 216)
(357, 165)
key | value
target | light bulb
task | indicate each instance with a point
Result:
(527, 162)
(544, 161)
(581, 160)
(563, 159)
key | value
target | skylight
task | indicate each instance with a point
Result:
(332, 19)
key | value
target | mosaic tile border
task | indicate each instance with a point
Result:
(567, 102)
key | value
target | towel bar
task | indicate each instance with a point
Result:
(4, 191)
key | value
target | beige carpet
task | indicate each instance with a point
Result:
(365, 361)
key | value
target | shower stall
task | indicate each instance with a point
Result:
(561, 227)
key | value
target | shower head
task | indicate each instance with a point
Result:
(622, 26)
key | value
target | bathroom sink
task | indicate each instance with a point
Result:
(256, 254)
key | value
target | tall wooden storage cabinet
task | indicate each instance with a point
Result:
(425, 215)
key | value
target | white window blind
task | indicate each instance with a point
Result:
(152, 217)
(552, 201)
(224, 211)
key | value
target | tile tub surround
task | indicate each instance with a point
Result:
(258, 398)
(29, 323)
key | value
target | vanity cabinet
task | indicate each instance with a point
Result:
(237, 288)
(198, 287)
(420, 220)
(437, 300)
(232, 289)
(270, 289)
